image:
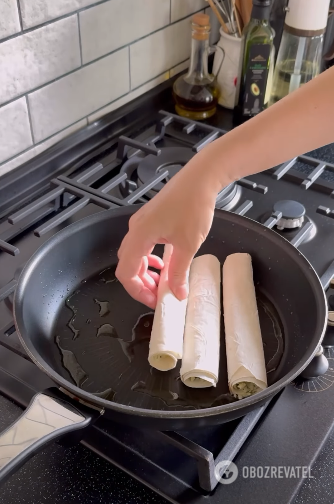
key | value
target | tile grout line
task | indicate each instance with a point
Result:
(31, 147)
(133, 90)
(50, 21)
(170, 11)
(84, 117)
(30, 121)
(80, 43)
(20, 16)
(84, 65)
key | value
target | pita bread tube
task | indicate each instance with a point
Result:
(244, 347)
(200, 362)
(166, 344)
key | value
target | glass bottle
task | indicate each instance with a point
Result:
(299, 57)
(292, 71)
(196, 93)
(257, 62)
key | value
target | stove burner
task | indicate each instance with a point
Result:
(171, 159)
(322, 382)
(142, 169)
(292, 214)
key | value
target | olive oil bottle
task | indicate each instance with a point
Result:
(257, 63)
(196, 93)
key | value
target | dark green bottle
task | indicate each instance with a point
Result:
(257, 63)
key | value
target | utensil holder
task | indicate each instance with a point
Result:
(227, 76)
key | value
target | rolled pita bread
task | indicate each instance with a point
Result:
(244, 347)
(200, 362)
(166, 344)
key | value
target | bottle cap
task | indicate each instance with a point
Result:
(310, 16)
(200, 26)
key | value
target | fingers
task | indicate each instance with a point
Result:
(155, 276)
(136, 288)
(132, 271)
(178, 272)
(130, 254)
(155, 261)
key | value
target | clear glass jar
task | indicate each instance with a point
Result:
(298, 61)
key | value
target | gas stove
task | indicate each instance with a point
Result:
(126, 159)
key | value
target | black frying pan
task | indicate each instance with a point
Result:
(83, 330)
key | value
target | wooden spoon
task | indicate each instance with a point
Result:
(246, 10)
(237, 11)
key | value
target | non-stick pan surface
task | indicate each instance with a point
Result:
(80, 326)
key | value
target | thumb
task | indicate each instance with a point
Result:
(178, 272)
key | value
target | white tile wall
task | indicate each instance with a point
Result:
(129, 97)
(183, 8)
(29, 154)
(65, 101)
(179, 68)
(37, 57)
(35, 12)
(116, 23)
(9, 18)
(15, 132)
(55, 74)
(156, 53)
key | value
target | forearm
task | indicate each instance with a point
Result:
(297, 124)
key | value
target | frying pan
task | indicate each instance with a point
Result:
(80, 327)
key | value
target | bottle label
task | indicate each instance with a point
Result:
(256, 79)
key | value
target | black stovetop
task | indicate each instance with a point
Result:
(95, 170)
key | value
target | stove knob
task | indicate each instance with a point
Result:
(293, 214)
(328, 340)
(317, 367)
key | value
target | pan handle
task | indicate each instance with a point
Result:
(49, 415)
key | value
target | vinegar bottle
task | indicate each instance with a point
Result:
(196, 93)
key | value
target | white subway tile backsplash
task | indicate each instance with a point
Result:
(73, 70)
(15, 132)
(129, 97)
(159, 52)
(37, 57)
(108, 26)
(35, 12)
(34, 151)
(17, 161)
(179, 68)
(63, 102)
(59, 136)
(9, 18)
(183, 8)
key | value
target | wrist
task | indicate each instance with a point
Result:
(217, 165)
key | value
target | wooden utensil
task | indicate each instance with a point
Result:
(246, 10)
(217, 13)
(237, 16)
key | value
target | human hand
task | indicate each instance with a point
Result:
(180, 214)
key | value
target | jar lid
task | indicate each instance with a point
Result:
(200, 26)
(310, 15)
